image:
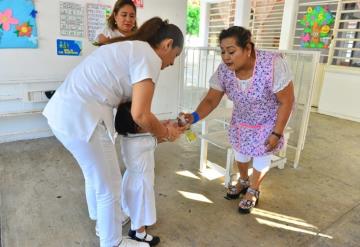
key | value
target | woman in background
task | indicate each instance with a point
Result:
(122, 22)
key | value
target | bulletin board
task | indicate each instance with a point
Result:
(43, 63)
(18, 24)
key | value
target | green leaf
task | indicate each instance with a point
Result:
(193, 20)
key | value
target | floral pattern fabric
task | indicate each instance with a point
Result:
(255, 109)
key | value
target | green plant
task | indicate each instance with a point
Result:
(193, 20)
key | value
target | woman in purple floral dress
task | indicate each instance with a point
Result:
(260, 86)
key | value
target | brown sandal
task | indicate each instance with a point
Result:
(234, 191)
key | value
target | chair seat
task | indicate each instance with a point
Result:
(217, 138)
(220, 139)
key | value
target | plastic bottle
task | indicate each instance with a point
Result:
(190, 135)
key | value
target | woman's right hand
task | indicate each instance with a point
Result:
(174, 131)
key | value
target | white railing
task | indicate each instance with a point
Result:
(199, 64)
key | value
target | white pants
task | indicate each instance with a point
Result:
(261, 163)
(99, 163)
(138, 195)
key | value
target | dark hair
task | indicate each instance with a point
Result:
(124, 123)
(154, 31)
(241, 35)
(118, 5)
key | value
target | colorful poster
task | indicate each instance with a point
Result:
(97, 15)
(317, 26)
(18, 24)
(68, 47)
(71, 19)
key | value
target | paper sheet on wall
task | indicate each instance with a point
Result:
(18, 24)
(68, 47)
(71, 19)
(96, 18)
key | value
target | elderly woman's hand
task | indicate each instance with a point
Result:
(185, 119)
(271, 142)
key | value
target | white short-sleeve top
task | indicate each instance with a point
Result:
(108, 33)
(282, 77)
(98, 84)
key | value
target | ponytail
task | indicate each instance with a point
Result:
(154, 31)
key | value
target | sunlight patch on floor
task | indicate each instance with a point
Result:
(195, 196)
(188, 174)
(286, 222)
(211, 174)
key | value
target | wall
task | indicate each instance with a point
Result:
(26, 70)
(340, 93)
(166, 98)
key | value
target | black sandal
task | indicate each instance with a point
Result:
(234, 191)
(154, 241)
(246, 205)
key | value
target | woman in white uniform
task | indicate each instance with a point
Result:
(80, 113)
(138, 195)
(122, 22)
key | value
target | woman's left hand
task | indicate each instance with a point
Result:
(271, 142)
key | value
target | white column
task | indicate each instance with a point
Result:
(288, 24)
(204, 22)
(242, 13)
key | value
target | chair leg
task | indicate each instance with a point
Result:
(203, 155)
(229, 162)
(282, 152)
(204, 147)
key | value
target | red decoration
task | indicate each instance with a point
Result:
(139, 3)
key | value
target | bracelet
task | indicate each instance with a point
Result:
(276, 134)
(195, 116)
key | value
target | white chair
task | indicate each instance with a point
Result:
(220, 139)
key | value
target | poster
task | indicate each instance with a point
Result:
(68, 47)
(71, 19)
(18, 24)
(317, 27)
(97, 15)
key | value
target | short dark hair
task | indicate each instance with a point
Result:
(124, 122)
(241, 35)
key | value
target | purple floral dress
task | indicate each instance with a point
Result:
(255, 109)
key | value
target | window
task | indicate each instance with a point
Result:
(221, 17)
(345, 50)
(265, 22)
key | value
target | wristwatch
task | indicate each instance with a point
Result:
(276, 134)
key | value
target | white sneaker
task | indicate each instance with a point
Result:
(125, 220)
(126, 242)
